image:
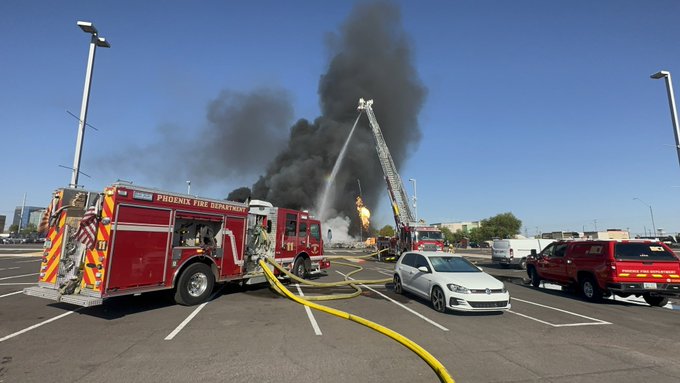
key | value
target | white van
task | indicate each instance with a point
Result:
(515, 251)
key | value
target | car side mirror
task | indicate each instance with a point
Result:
(533, 253)
(424, 269)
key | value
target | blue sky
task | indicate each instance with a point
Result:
(541, 108)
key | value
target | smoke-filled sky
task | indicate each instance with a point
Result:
(249, 134)
(517, 94)
(371, 58)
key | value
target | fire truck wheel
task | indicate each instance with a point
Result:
(194, 285)
(299, 268)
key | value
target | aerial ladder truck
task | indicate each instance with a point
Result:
(409, 234)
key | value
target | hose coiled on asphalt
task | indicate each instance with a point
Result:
(351, 283)
(436, 366)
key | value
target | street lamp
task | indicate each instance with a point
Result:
(189, 187)
(650, 213)
(415, 198)
(95, 41)
(671, 104)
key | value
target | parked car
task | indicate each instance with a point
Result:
(449, 281)
(514, 252)
(604, 267)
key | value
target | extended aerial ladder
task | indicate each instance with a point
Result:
(402, 211)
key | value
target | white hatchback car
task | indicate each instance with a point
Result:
(449, 281)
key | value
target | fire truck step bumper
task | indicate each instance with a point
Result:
(82, 300)
(42, 292)
(52, 294)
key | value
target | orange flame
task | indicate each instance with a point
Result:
(364, 213)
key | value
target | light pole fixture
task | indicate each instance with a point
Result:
(415, 198)
(671, 104)
(95, 41)
(189, 187)
(650, 213)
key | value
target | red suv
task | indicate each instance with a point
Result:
(600, 268)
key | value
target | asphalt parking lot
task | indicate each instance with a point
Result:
(253, 335)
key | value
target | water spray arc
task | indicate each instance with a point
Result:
(323, 202)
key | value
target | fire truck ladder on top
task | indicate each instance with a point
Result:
(400, 206)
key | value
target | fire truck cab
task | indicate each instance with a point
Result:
(131, 240)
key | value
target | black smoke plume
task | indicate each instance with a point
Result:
(370, 58)
(237, 140)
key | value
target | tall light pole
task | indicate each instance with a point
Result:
(415, 198)
(189, 187)
(650, 213)
(671, 104)
(95, 41)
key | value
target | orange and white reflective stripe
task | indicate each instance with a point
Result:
(50, 266)
(93, 277)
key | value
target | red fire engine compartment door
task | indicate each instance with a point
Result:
(141, 236)
(233, 233)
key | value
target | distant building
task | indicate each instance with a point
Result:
(25, 219)
(561, 235)
(462, 226)
(609, 234)
(2, 223)
(35, 217)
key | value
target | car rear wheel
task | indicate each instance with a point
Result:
(397, 285)
(535, 279)
(655, 301)
(438, 299)
(590, 290)
(523, 264)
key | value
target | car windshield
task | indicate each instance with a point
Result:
(453, 265)
(632, 251)
(429, 235)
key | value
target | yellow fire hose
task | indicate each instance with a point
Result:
(436, 366)
(352, 283)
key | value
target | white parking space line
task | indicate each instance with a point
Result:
(8, 268)
(426, 319)
(190, 317)
(311, 317)
(10, 294)
(383, 272)
(595, 321)
(18, 276)
(10, 336)
(32, 260)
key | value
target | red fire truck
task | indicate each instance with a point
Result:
(130, 240)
